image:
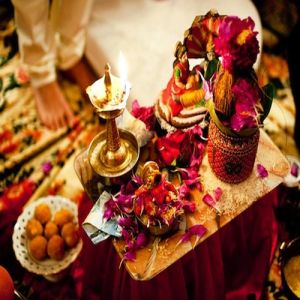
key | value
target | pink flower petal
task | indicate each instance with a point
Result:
(141, 240)
(145, 114)
(218, 193)
(261, 171)
(110, 208)
(188, 206)
(126, 235)
(198, 230)
(185, 237)
(294, 170)
(209, 200)
(169, 147)
(47, 167)
(246, 98)
(130, 255)
(125, 222)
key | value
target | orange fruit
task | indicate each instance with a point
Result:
(6, 285)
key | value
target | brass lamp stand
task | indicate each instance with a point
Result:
(113, 152)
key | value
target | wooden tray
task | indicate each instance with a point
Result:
(161, 253)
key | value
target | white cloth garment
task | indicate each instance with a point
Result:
(51, 34)
(146, 32)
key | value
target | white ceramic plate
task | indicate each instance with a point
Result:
(20, 241)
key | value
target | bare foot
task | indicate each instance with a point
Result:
(82, 74)
(53, 110)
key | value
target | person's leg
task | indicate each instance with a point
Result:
(71, 25)
(37, 50)
(36, 40)
(52, 107)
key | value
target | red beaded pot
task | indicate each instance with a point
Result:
(231, 158)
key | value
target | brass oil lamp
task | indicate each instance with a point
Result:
(113, 152)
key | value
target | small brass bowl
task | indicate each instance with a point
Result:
(164, 229)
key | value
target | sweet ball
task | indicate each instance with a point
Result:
(33, 228)
(70, 234)
(63, 216)
(56, 247)
(38, 247)
(50, 229)
(43, 213)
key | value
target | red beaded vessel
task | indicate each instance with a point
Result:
(231, 158)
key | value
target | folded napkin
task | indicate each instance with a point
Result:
(96, 226)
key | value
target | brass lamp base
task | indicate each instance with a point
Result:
(116, 163)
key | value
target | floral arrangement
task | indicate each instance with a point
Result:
(238, 105)
(156, 203)
(237, 43)
(239, 101)
(142, 207)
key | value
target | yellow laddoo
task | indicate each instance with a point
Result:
(63, 216)
(33, 228)
(50, 229)
(38, 247)
(56, 247)
(42, 213)
(70, 234)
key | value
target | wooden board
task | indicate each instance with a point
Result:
(236, 198)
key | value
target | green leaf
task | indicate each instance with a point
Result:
(201, 103)
(245, 132)
(3, 60)
(267, 99)
(211, 68)
(12, 83)
(277, 83)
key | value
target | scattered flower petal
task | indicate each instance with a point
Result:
(198, 230)
(145, 114)
(110, 208)
(126, 235)
(189, 206)
(47, 167)
(261, 171)
(294, 170)
(125, 222)
(184, 148)
(209, 200)
(186, 237)
(141, 240)
(169, 147)
(130, 256)
(218, 193)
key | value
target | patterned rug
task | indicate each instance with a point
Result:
(35, 161)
